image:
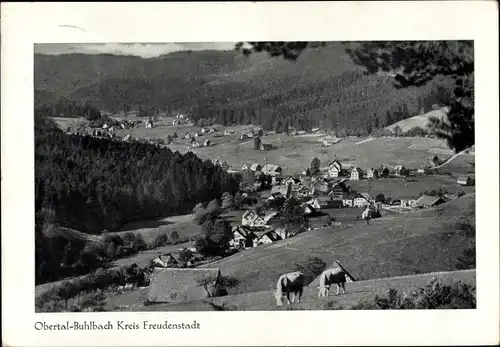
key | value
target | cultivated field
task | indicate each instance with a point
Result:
(264, 300)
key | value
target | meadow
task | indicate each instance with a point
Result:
(264, 300)
(394, 245)
(294, 153)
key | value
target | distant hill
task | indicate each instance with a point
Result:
(421, 120)
(323, 88)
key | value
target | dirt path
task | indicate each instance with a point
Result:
(365, 140)
(450, 159)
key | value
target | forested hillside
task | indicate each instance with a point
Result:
(323, 88)
(91, 184)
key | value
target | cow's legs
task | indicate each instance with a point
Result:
(288, 297)
(338, 288)
(343, 287)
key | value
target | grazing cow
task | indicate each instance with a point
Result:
(332, 276)
(292, 282)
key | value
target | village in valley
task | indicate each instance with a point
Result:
(375, 205)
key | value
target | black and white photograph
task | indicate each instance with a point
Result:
(260, 173)
(255, 176)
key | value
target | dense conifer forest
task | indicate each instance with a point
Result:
(93, 184)
(324, 88)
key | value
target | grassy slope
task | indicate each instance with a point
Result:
(264, 300)
(415, 242)
(295, 152)
(418, 121)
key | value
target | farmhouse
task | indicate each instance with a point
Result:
(242, 238)
(175, 122)
(267, 238)
(248, 217)
(372, 173)
(422, 170)
(203, 130)
(206, 143)
(348, 199)
(244, 167)
(166, 260)
(334, 171)
(256, 167)
(301, 132)
(187, 136)
(465, 181)
(301, 192)
(149, 124)
(428, 201)
(195, 144)
(275, 180)
(285, 190)
(338, 190)
(292, 180)
(400, 170)
(273, 170)
(360, 201)
(180, 285)
(319, 187)
(228, 132)
(336, 164)
(385, 172)
(356, 174)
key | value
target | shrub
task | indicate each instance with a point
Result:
(435, 295)
(160, 240)
(174, 236)
(311, 268)
(460, 193)
(465, 227)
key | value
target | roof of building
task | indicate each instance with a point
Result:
(177, 285)
(272, 235)
(244, 231)
(254, 166)
(427, 200)
(279, 189)
(399, 167)
(463, 178)
(271, 167)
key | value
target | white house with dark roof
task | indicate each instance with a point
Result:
(400, 170)
(465, 181)
(266, 238)
(165, 260)
(372, 173)
(356, 174)
(360, 200)
(271, 169)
